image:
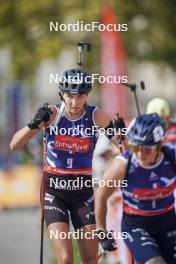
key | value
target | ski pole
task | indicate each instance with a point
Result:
(42, 201)
(133, 88)
(120, 136)
(80, 47)
(42, 194)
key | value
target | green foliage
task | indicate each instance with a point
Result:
(152, 29)
(25, 30)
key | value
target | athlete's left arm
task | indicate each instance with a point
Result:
(102, 120)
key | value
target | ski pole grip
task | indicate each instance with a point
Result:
(142, 85)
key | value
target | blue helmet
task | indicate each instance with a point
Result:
(147, 129)
(75, 81)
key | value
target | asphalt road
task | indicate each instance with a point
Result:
(20, 238)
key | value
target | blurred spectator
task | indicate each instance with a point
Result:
(162, 107)
(7, 158)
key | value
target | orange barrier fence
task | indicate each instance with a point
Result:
(19, 187)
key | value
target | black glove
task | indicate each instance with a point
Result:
(42, 115)
(106, 240)
(119, 123)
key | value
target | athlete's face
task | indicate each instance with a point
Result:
(75, 102)
(146, 155)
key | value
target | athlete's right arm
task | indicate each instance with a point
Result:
(21, 137)
(112, 177)
(41, 120)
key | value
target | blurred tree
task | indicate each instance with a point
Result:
(151, 29)
(25, 30)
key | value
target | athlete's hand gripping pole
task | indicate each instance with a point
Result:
(107, 243)
(119, 124)
(106, 240)
(42, 116)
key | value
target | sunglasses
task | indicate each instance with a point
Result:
(143, 148)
